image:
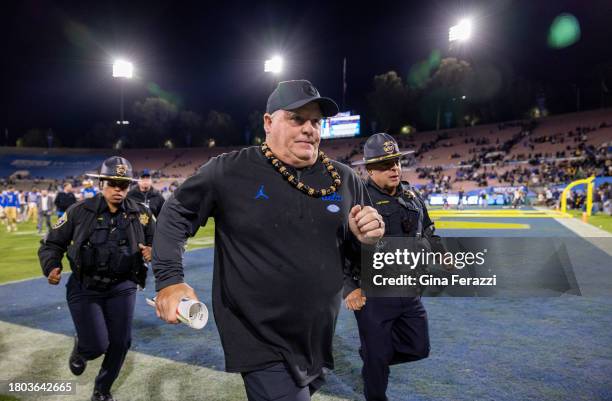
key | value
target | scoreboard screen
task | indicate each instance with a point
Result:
(340, 127)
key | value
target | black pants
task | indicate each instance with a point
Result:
(391, 330)
(103, 321)
(276, 383)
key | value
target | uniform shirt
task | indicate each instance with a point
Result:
(33, 197)
(116, 239)
(405, 215)
(401, 216)
(11, 199)
(76, 227)
(279, 257)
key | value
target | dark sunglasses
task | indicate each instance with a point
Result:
(118, 184)
(386, 165)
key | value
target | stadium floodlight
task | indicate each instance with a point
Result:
(123, 69)
(461, 32)
(274, 65)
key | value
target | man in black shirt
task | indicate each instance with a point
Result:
(64, 200)
(287, 222)
(146, 194)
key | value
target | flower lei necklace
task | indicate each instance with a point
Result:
(308, 190)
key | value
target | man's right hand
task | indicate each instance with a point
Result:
(355, 300)
(168, 298)
(55, 276)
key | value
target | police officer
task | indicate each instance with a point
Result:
(391, 330)
(107, 239)
(146, 194)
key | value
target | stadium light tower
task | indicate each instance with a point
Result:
(462, 32)
(122, 70)
(274, 65)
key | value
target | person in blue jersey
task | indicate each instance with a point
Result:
(2, 214)
(88, 191)
(32, 212)
(11, 207)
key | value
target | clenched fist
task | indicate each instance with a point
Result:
(55, 276)
(366, 224)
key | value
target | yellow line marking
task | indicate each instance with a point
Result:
(478, 225)
(529, 214)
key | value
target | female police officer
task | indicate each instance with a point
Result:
(108, 240)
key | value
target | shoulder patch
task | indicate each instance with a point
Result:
(62, 220)
(144, 219)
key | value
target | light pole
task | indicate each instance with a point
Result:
(274, 66)
(462, 32)
(122, 70)
(457, 35)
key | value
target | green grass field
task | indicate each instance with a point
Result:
(20, 261)
(599, 220)
(19, 250)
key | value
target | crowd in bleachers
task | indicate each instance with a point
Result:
(538, 154)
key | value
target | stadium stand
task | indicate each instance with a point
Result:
(537, 154)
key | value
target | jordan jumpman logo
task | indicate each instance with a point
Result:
(261, 194)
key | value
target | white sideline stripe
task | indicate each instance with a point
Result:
(583, 229)
(591, 234)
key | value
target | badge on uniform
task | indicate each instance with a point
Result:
(144, 219)
(62, 220)
(409, 193)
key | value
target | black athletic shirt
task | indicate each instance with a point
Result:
(280, 257)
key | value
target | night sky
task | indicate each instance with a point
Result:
(56, 64)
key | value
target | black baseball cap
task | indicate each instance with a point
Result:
(290, 95)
